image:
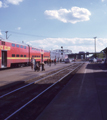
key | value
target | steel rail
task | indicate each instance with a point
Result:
(31, 83)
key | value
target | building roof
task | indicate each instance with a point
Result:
(105, 50)
(66, 51)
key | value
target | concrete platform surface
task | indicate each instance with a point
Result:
(9, 76)
(83, 98)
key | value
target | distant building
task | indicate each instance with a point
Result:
(81, 52)
(81, 55)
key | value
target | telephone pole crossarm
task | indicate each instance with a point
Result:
(6, 34)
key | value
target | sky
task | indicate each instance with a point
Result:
(50, 24)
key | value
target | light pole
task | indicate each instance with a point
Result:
(62, 52)
(95, 45)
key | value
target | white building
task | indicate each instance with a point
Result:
(60, 54)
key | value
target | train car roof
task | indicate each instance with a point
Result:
(24, 44)
(14, 42)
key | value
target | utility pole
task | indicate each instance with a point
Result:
(95, 45)
(62, 52)
(6, 34)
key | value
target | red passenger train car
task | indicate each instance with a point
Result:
(15, 54)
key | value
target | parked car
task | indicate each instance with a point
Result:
(94, 60)
(67, 60)
(73, 60)
(91, 60)
(99, 60)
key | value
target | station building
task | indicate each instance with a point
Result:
(61, 54)
(105, 51)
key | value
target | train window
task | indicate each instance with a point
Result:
(24, 47)
(21, 46)
(17, 55)
(17, 45)
(24, 55)
(3, 43)
(13, 45)
(33, 48)
(13, 55)
(21, 55)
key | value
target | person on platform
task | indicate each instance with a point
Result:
(49, 62)
(38, 66)
(55, 61)
(32, 63)
(43, 66)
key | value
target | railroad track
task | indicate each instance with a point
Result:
(10, 89)
(18, 101)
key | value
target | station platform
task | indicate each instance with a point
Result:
(83, 98)
(16, 75)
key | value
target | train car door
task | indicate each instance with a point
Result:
(4, 58)
(41, 57)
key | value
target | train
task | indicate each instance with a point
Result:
(14, 54)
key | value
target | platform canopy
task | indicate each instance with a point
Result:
(105, 50)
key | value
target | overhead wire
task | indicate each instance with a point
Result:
(41, 35)
(25, 34)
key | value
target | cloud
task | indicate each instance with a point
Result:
(5, 3)
(15, 2)
(74, 44)
(74, 15)
(19, 28)
(0, 32)
(1, 4)
(102, 0)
